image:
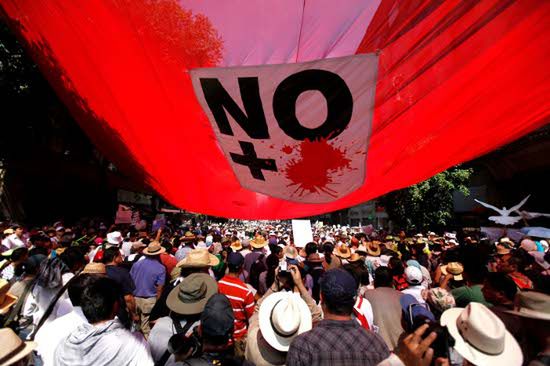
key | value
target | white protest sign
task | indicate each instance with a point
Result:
(296, 131)
(301, 230)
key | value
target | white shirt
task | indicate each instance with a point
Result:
(416, 292)
(12, 242)
(52, 333)
(160, 335)
(126, 248)
(366, 310)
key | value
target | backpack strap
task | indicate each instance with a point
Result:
(51, 306)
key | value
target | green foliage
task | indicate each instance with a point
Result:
(429, 204)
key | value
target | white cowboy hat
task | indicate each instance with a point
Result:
(481, 337)
(114, 238)
(283, 316)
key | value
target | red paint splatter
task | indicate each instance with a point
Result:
(287, 150)
(313, 170)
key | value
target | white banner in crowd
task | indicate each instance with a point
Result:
(302, 233)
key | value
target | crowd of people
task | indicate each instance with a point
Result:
(244, 293)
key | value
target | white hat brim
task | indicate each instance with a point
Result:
(268, 333)
(511, 356)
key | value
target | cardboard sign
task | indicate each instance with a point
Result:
(123, 215)
(301, 230)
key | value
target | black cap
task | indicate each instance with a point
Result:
(217, 319)
(235, 259)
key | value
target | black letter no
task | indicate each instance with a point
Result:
(335, 91)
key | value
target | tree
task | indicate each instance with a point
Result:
(429, 204)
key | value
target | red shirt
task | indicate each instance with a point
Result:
(242, 302)
(400, 282)
(169, 261)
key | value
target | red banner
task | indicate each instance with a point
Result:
(455, 79)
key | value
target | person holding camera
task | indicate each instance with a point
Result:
(285, 311)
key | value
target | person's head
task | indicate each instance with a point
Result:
(310, 248)
(19, 255)
(112, 256)
(77, 286)
(217, 321)
(73, 257)
(235, 262)
(18, 230)
(359, 272)
(99, 300)
(498, 288)
(383, 277)
(514, 263)
(338, 292)
(396, 266)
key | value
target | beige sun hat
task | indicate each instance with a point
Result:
(12, 348)
(342, 251)
(197, 258)
(154, 248)
(481, 337)
(283, 316)
(258, 242)
(532, 304)
(236, 245)
(94, 268)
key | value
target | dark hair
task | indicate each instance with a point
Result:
(77, 286)
(110, 254)
(272, 262)
(396, 266)
(338, 289)
(38, 250)
(383, 277)
(503, 283)
(359, 272)
(73, 257)
(18, 254)
(310, 248)
(98, 299)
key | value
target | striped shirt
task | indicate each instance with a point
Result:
(242, 302)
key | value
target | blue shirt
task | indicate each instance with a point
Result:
(147, 275)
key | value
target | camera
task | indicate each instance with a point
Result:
(181, 344)
(283, 266)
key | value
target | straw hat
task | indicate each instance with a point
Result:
(94, 268)
(454, 268)
(12, 348)
(532, 304)
(236, 245)
(198, 258)
(191, 295)
(6, 299)
(354, 257)
(481, 337)
(342, 251)
(154, 248)
(188, 236)
(373, 248)
(258, 242)
(290, 252)
(283, 316)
